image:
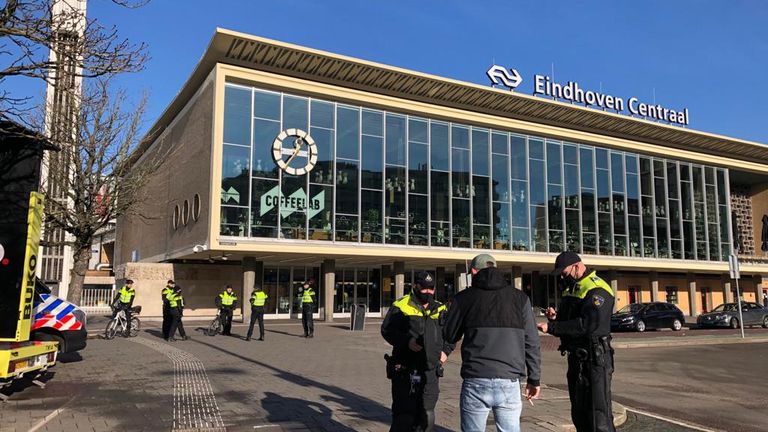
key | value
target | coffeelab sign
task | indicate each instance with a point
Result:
(571, 91)
(294, 202)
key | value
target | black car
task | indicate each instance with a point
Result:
(644, 316)
(727, 315)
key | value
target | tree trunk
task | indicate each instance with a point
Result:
(81, 256)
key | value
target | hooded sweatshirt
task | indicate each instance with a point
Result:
(499, 331)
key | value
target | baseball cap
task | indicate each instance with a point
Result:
(170, 281)
(564, 260)
(424, 279)
(482, 261)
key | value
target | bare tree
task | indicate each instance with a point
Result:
(99, 178)
(30, 32)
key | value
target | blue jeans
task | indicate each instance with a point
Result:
(481, 395)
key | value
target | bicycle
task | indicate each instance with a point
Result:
(215, 327)
(120, 324)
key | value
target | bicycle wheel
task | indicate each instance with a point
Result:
(111, 330)
(214, 328)
(135, 326)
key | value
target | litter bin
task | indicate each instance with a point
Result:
(357, 317)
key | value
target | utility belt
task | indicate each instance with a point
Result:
(396, 369)
(593, 349)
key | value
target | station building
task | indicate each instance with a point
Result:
(283, 162)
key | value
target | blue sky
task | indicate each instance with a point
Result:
(709, 56)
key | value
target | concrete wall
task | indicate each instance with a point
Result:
(186, 172)
(200, 285)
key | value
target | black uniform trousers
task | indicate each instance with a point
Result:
(306, 319)
(257, 314)
(176, 324)
(414, 411)
(589, 387)
(225, 316)
(166, 321)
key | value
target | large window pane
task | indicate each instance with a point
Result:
(481, 200)
(499, 143)
(440, 196)
(237, 115)
(394, 192)
(520, 204)
(235, 176)
(395, 140)
(418, 231)
(554, 163)
(394, 230)
(266, 105)
(293, 207)
(460, 169)
(264, 134)
(500, 180)
(439, 150)
(265, 206)
(372, 162)
(346, 187)
(501, 226)
(373, 123)
(480, 152)
(322, 114)
(320, 212)
(417, 130)
(295, 113)
(417, 168)
(461, 223)
(371, 217)
(348, 133)
(459, 137)
(234, 221)
(321, 173)
(518, 157)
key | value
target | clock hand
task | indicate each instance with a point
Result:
(296, 148)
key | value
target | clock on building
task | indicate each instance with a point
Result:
(294, 152)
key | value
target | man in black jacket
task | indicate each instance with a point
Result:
(413, 326)
(583, 325)
(500, 347)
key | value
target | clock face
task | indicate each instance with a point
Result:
(294, 151)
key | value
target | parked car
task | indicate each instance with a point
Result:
(727, 315)
(643, 316)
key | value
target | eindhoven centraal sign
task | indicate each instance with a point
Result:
(572, 92)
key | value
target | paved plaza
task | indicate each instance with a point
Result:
(334, 382)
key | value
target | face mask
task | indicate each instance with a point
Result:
(424, 298)
(568, 280)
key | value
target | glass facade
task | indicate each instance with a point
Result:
(389, 178)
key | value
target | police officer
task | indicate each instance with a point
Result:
(124, 301)
(307, 292)
(258, 299)
(167, 307)
(226, 302)
(176, 306)
(413, 326)
(583, 324)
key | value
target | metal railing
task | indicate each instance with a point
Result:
(95, 301)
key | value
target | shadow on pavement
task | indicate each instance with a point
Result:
(354, 404)
(285, 409)
(21, 384)
(72, 357)
(285, 333)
